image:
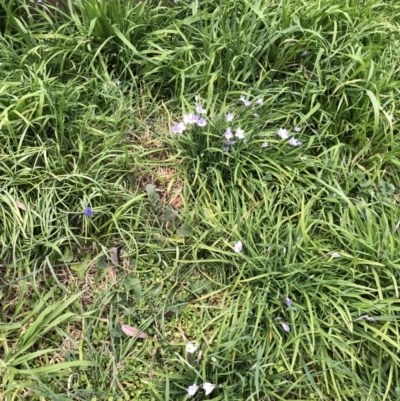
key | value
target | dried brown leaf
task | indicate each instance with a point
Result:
(177, 202)
(114, 256)
(22, 206)
(132, 331)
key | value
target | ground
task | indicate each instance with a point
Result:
(199, 200)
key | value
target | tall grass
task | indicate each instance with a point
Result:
(89, 93)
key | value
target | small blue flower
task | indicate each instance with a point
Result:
(88, 212)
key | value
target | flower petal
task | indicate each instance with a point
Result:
(192, 389)
(208, 387)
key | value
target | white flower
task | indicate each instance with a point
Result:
(303, 158)
(285, 326)
(229, 117)
(260, 101)
(294, 142)
(297, 129)
(256, 115)
(192, 389)
(188, 118)
(238, 247)
(239, 133)
(208, 387)
(264, 145)
(335, 255)
(201, 122)
(283, 133)
(200, 109)
(228, 133)
(246, 102)
(190, 348)
(178, 128)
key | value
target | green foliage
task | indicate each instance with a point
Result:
(89, 92)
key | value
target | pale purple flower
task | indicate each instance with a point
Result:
(178, 128)
(229, 117)
(201, 122)
(229, 143)
(238, 247)
(260, 101)
(294, 142)
(200, 109)
(288, 301)
(226, 149)
(283, 133)
(239, 133)
(246, 102)
(285, 326)
(208, 387)
(265, 145)
(304, 54)
(192, 389)
(228, 133)
(297, 129)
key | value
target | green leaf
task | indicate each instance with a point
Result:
(156, 289)
(67, 256)
(151, 191)
(169, 214)
(133, 283)
(101, 263)
(81, 268)
(185, 231)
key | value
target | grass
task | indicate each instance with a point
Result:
(89, 93)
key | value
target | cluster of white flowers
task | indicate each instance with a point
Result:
(239, 133)
(284, 134)
(247, 102)
(207, 387)
(190, 119)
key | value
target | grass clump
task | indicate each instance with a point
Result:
(143, 144)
